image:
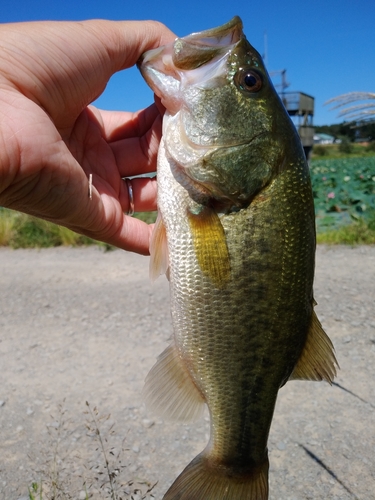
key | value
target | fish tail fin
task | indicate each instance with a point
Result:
(200, 480)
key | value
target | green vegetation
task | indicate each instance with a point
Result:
(23, 231)
(149, 217)
(343, 150)
(345, 146)
(320, 150)
(352, 130)
(371, 147)
(356, 233)
(344, 196)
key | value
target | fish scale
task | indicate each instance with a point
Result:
(236, 220)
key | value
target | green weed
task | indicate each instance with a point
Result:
(345, 149)
(36, 491)
(357, 233)
(149, 217)
(320, 150)
(18, 230)
(30, 232)
(345, 146)
(7, 221)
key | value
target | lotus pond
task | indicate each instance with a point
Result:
(344, 191)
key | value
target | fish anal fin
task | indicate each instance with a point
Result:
(200, 480)
(170, 391)
(317, 360)
(159, 260)
(210, 245)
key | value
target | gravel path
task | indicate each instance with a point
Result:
(81, 325)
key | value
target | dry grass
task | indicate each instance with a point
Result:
(98, 470)
(362, 110)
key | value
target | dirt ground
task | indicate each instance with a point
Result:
(81, 325)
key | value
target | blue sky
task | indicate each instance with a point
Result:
(326, 46)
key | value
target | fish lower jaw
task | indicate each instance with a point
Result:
(207, 194)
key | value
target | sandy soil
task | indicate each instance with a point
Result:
(81, 325)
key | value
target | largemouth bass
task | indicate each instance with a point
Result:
(236, 237)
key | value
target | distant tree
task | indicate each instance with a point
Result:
(368, 130)
(347, 129)
(361, 124)
(362, 112)
(338, 130)
(345, 146)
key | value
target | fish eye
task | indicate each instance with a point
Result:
(248, 80)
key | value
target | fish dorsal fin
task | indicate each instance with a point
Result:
(170, 391)
(210, 245)
(159, 260)
(317, 360)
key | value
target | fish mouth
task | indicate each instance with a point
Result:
(197, 49)
(194, 77)
(171, 68)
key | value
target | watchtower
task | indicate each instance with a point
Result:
(300, 107)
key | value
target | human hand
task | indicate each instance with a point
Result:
(51, 140)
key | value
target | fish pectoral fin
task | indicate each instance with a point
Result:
(317, 360)
(202, 480)
(159, 260)
(170, 391)
(210, 245)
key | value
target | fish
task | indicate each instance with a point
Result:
(235, 235)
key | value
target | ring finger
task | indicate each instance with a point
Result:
(138, 194)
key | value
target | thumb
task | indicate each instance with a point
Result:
(64, 66)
